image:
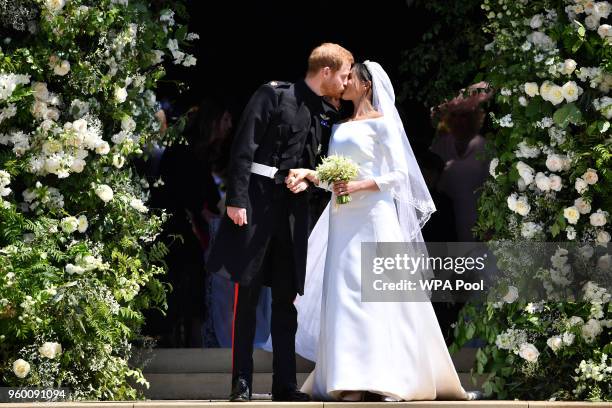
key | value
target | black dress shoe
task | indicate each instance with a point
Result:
(240, 391)
(290, 395)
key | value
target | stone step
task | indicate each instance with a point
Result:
(216, 386)
(219, 360)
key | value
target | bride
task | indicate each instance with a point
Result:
(389, 351)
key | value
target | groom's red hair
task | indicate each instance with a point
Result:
(328, 55)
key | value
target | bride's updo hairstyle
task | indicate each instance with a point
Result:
(360, 70)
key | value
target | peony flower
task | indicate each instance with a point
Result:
(104, 192)
(599, 218)
(555, 182)
(569, 66)
(581, 186)
(604, 31)
(583, 206)
(120, 94)
(555, 95)
(570, 91)
(532, 89)
(69, 224)
(571, 214)
(50, 350)
(554, 162)
(529, 352)
(542, 182)
(555, 343)
(21, 368)
(511, 295)
(83, 224)
(590, 176)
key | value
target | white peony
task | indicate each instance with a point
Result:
(554, 162)
(571, 214)
(604, 31)
(583, 206)
(50, 349)
(522, 206)
(555, 182)
(69, 224)
(603, 237)
(599, 218)
(62, 68)
(555, 95)
(138, 205)
(555, 343)
(532, 89)
(570, 91)
(542, 182)
(581, 185)
(104, 192)
(83, 224)
(21, 368)
(590, 176)
(120, 94)
(569, 66)
(529, 352)
(511, 295)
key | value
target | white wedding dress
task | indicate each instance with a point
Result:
(391, 348)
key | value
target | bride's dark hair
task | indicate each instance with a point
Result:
(364, 75)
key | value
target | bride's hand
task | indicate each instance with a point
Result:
(297, 176)
(343, 187)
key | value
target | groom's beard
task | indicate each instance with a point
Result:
(331, 90)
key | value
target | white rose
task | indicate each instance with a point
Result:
(128, 124)
(77, 165)
(569, 66)
(120, 94)
(118, 161)
(556, 95)
(138, 205)
(568, 338)
(102, 148)
(525, 171)
(536, 21)
(555, 182)
(532, 89)
(492, 166)
(69, 224)
(581, 185)
(522, 206)
(41, 92)
(554, 162)
(582, 205)
(570, 91)
(571, 214)
(571, 232)
(599, 218)
(104, 192)
(50, 350)
(55, 5)
(545, 89)
(83, 224)
(603, 263)
(511, 200)
(590, 176)
(511, 295)
(604, 31)
(603, 237)
(542, 182)
(529, 352)
(555, 343)
(62, 68)
(590, 330)
(21, 368)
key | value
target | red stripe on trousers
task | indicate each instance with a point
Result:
(234, 321)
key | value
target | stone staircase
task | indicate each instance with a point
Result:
(205, 374)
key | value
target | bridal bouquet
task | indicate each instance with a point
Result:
(337, 168)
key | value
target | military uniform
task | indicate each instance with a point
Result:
(284, 126)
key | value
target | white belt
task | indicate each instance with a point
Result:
(263, 170)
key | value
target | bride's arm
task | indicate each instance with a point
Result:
(394, 158)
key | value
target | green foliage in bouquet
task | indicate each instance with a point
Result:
(337, 168)
(550, 63)
(78, 257)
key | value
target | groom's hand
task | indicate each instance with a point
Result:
(297, 176)
(238, 215)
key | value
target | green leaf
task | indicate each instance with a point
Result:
(567, 114)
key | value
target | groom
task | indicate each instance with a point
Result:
(263, 240)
